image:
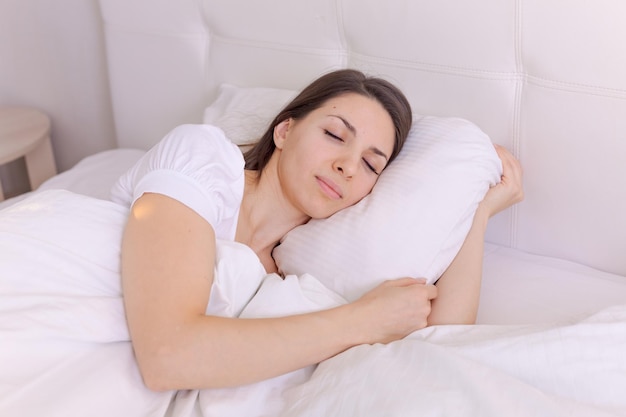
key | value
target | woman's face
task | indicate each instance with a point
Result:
(331, 158)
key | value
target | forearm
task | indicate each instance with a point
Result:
(190, 350)
(209, 352)
(459, 286)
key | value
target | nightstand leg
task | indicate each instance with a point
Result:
(40, 163)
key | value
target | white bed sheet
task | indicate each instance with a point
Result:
(523, 288)
(576, 370)
(93, 176)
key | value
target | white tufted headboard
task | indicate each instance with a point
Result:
(545, 78)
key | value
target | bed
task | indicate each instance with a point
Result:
(544, 79)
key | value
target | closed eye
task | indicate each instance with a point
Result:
(370, 167)
(332, 135)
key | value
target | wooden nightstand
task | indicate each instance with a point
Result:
(25, 132)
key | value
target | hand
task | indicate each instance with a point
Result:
(509, 190)
(395, 308)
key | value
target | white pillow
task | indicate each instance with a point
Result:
(414, 221)
(244, 113)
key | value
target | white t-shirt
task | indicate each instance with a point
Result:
(195, 165)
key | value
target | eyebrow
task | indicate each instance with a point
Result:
(353, 130)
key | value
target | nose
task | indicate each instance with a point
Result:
(346, 165)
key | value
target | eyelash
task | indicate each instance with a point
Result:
(332, 135)
(369, 166)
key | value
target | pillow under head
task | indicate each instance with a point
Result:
(414, 221)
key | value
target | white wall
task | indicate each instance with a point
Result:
(52, 58)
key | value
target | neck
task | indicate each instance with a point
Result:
(265, 215)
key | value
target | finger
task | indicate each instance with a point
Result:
(511, 167)
(403, 282)
(505, 161)
(512, 170)
(431, 291)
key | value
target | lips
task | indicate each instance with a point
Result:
(329, 188)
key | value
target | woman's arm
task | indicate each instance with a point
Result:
(459, 286)
(168, 258)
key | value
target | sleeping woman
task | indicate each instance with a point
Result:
(323, 152)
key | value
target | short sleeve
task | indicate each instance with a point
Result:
(195, 165)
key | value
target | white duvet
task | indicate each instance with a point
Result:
(65, 350)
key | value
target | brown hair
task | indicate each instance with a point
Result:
(328, 86)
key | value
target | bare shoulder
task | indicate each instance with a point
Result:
(164, 238)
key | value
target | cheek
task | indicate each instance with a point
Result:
(362, 190)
